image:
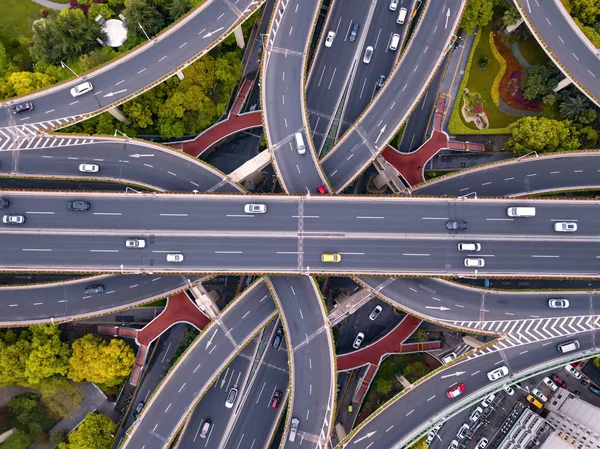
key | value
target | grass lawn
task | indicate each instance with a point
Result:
(532, 52)
(14, 18)
(481, 81)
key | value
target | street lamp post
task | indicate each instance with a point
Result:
(65, 66)
(142, 28)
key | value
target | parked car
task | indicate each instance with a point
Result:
(488, 401)
(78, 206)
(476, 414)
(550, 384)
(13, 219)
(375, 313)
(456, 225)
(482, 443)
(453, 445)
(558, 381)
(449, 358)
(22, 107)
(508, 389)
(463, 431)
(138, 409)
(456, 391)
(498, 373)
(329, 39)
(94, 289)
(276, 398)
(573, 372)
(594, 389)
(358, 340)
(89, 168)
(81, 89)
(538, 394)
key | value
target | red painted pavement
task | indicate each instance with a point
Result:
(235, 122)
(411, 165)
(373, 353)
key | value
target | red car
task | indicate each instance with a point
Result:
(322, 190)
(455, 391)
(276, 398)
(558, 381)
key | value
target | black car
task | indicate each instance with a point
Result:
(594, 389)
(94, 289)
(138, 409)
(354, 32)
(278, 338)
(78, 205)
(380, 81)
(3, 203)
(22, 107)
(456, 225)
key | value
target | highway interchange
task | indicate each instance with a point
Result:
(211, 231)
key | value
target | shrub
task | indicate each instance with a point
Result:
(500, 75)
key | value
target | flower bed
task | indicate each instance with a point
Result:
(510, 86)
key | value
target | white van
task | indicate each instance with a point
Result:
(568, 346)
(521, 211)
(394, 42)
(401, 16)
(299, 143)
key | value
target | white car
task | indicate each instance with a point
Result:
(255, 208)
(135, 243)
(488, 401)
(482, 443)
(231, 397)
(329, 39)
(558, 303)
(394, 5)
(375, 313)
(476, 262)
(541, 396)
(476, 414)
(358, 340)
(449, 358)
(453, 445)
(430, 437)
(175, 257)
(565, 226)
(508, 389)
(89, 168)
(13, 219)
(368, 54)
(573, 372)
(81, 89)
(550, 384)
(498, 373)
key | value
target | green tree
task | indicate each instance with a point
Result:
(95, 360)
(414, 371)
(18, 440)
(23, 83)
(383, 386)
(95, 432)
(511, 16)
(100, 9)
(30, 414)
(596, 361)
(63, 37)
(13, 359)
(573, 107)
(542, 135)
(49, 356)
(178, 8)
(540, 80)
(588, 116)
(477, 13)
(585, 10)
(420, 444)
(144, 13)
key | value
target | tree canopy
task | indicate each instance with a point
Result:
(95, 432)
(95, 360)
(477, 13)
(542, 135)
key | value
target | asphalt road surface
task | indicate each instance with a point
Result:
(379, 123)
(313, 372)
(118, 160)
(567, 43)
(191, 377)
(131, 73)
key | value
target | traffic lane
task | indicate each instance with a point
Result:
(559, 34)
(134, 72)
(301, 305)
(164, 413)
(313, 392)
(212, 405)
(431, 394)
(379, 36)
(380, 255)
(428, 296)
(258, 304)
(378, 125)
(257, 419)
(296, 24)
(43, 302)
(482, 217)
(149, 212)
(34, 251)
(120, 161)
(526, 176)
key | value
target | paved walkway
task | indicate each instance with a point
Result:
(236, 121)
(179, 309)
(93, 400)
(412, 165)
(51, 5)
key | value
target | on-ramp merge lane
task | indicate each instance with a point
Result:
(364, 141)
(134, 71)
